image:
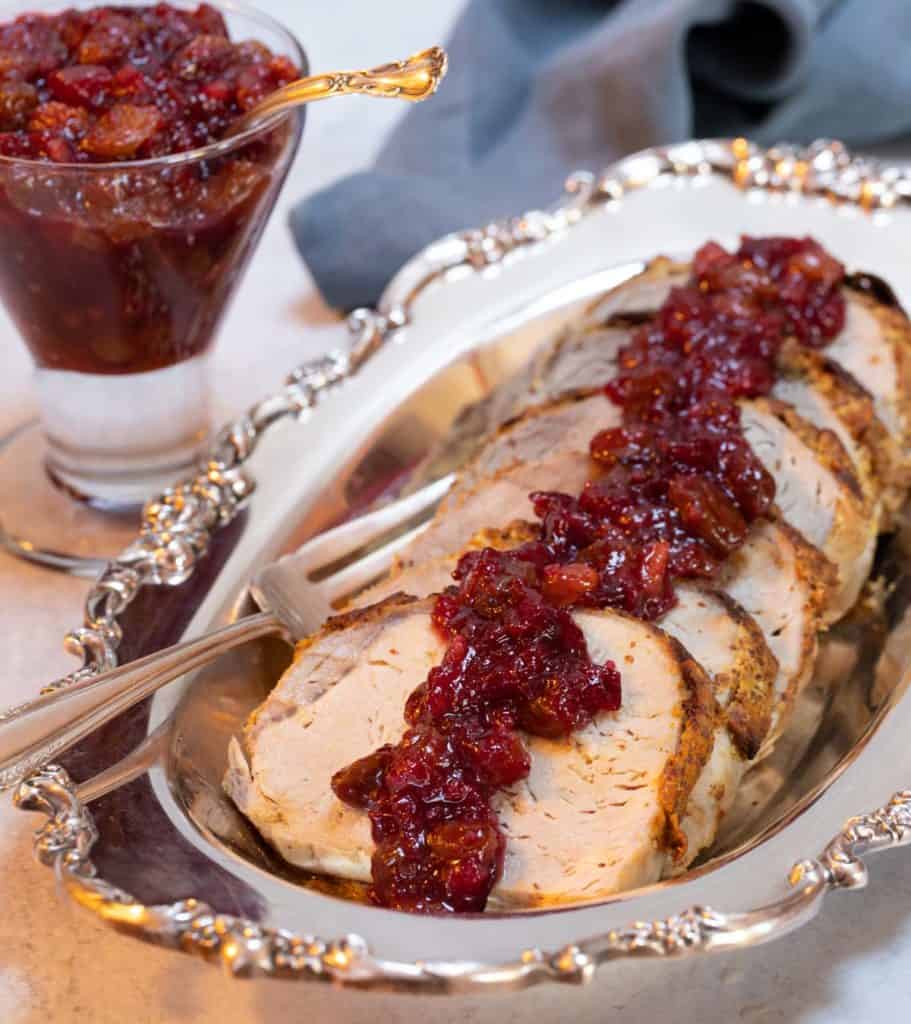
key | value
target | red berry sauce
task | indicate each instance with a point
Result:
(126, 83)
(129, 269)
(673, 493)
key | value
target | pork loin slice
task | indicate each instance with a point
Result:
(493, 502)
(818, 492)
(545, 449)
(599, 814)
(873, 348)
(824, 394)
(785, 585)
(716, 631)
(566, 424)
(640, 295)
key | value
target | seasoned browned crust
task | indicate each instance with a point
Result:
(820, 580)
(856, 519)
(512, 535)
(750, 683)
(853, 406)
(825, 446)
(694, 747)
(815, 570)
(896, 329)
(360, 617)
(892, 454)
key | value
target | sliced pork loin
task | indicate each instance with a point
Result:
(718, 633)
(821, 392)
(640, 295)
(818, 489)
(600, 813)
(703, 691)
(777, 582)
(873, 349)
(786, 585)
(545, 449)
(817, 492)
(566, 424)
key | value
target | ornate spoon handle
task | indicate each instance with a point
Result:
(413, 79)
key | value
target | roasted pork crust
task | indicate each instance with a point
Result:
(853, 406)
(750, 683)
(820, 580)
(700, 713)
(893, 454)
(896, 329)
(824, 445)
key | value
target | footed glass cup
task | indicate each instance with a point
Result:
(117, 276)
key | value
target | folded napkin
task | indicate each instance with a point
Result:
(538, 88)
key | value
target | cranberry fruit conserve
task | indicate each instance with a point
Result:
(673, 492)
(126, 269)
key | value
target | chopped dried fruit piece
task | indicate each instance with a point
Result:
(209, 20)
(123, 131)
(59, 150)
(60, 118)
(110, 39)
(254, 83)
(86, 85)
(203, 55)
(131, 82)
(283, 70)
(17, 100)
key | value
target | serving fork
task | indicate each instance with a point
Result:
(295, 594)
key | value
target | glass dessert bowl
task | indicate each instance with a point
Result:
(127, 223)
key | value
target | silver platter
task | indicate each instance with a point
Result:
(149, 843)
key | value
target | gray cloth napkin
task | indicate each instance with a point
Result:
(538, 88)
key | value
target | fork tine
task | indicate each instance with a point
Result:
(335, 544)
(365, 570)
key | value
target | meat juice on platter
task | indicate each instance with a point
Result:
(111, 265)
(685, 532)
